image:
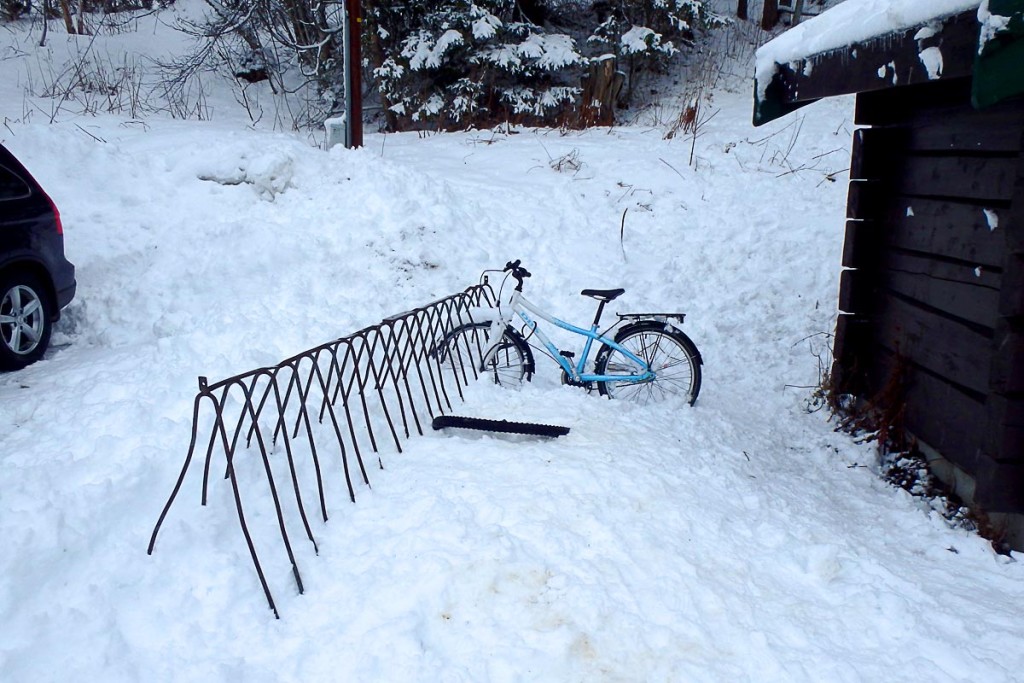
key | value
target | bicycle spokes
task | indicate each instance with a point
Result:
(668, 358)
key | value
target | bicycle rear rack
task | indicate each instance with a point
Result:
(659, 317)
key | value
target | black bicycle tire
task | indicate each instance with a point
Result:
(510, 335)
(657, 327)
(500, 426)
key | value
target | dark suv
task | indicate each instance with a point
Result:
(36, 281)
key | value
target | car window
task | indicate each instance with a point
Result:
(11, 186)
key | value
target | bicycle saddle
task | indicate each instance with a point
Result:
(604, 295)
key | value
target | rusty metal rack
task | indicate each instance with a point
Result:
(336, 402)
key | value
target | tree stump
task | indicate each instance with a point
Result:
(601, 89)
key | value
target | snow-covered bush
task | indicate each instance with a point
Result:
(645, 34)
(445, 64)
(463, 63)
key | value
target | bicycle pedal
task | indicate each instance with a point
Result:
(567, 354)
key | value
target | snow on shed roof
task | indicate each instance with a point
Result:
(850, 22)
(864, 45)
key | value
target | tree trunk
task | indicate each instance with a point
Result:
(82, 28)
(741, 10)
(65, 10)
(770, 15)
(46, 23)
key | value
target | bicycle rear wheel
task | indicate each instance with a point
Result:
(670, 355)
(461, 353)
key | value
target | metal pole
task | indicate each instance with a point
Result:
(353, 75)
(346, 36)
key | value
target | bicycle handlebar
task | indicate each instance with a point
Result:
(518, 273)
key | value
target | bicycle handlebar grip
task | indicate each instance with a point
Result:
(512, 265)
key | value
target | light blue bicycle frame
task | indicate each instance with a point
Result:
(518, 303)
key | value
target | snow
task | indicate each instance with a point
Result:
(931, 57)
(424, 53)
(991, 25)
(742, 539)
(850, 22)
(639, 39)
(991, 218)
(486, 25)
(551, 51)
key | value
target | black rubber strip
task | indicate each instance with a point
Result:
(503, 426)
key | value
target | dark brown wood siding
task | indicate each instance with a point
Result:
(935, 275)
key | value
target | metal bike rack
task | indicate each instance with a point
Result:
(336, 402)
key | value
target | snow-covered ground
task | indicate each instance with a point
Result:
(742, 539)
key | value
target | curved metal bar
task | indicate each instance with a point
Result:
(241, 520)
(184, 468)
(358, 378)
(377, 384)
(421, 349)
(291, 464)
(270, 482)
(344, 455)
(303, 417)
(218, 407)
(387, 361)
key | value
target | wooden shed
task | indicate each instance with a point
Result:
(931, 294)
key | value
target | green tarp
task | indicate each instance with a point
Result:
(999, 68)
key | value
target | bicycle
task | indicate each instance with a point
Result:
(649, 358)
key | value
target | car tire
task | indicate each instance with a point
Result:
(26, 314)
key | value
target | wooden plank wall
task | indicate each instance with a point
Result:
(934, 260)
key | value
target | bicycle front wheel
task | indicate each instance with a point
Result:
(461, 353)
(669, 354)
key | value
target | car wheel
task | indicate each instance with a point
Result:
(24, 320)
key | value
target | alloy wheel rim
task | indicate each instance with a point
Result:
(21, 320)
